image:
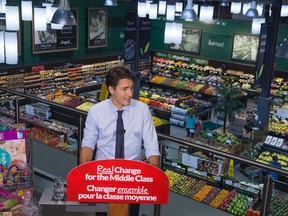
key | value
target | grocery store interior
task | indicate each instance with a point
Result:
(223, 62)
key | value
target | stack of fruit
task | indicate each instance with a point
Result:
(158, 122)
(219, 198)
(278, 206)
(266, 157)
(201, 194)
(238, 205)
(225, 203)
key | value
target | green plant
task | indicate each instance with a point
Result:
(227, 103)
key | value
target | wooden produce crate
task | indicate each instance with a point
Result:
(234, 149)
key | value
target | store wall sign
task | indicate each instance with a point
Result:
(130, 37)
(117, 180)
(215, 43)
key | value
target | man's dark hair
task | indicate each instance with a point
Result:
(117, 73)
(274, 158)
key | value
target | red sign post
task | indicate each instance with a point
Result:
(118, 181)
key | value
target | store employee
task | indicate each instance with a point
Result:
(100, 127)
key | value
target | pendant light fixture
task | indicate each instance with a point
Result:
(110, 3)
(63, 14)
(12, 17)
(206, 13)
(282, 51)
(153, 11)
(173, 33)
(224, 3)
(252, 11)
(2, 6)
(179, 7)
(256, 25)
(39, 18)
(162, 8)
(11, 47)
(26, 10)
(189, 13)
(53, 25)
(141, 9)
(236, 7)
(284, 11)
(49, 14)
(170, 12)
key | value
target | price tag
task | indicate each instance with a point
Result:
(217, 178)
(174, 164)
(237, 185)
(191, 169)
(204, 174)
(192, 80)
(228, 141)
(199, 95)
(209, 134)
(186, 78)
(228, 182)
(251, 189)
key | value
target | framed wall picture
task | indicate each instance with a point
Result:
(245, 47)
(191, 41)
(97, 27)
(53, 40)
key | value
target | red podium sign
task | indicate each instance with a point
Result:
(118, 181)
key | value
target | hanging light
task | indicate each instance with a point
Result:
(284, 11)
(26, 10)
(153, 11)
(170, 13)
(256, 25)
(235, 7)
(12, 17)
(148, 2)
(2, 6)
(179, 7)
(162, 8)
(110, 3)
(2, 53)
(189, 13)
(283, 49)
(173, 33)
(196, 9)
(206, 13)
(54, 25)
(63, 14)
(141, 9)
(49, 14)
(11, 47)
(252, 11)
(245, 7)
(39, 18)
(224, 3)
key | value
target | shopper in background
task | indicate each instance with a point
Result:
(199, 125)
(100, 126)
(275, 163)
(190, 122)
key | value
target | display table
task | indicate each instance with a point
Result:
(47, 199)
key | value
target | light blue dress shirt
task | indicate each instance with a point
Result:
(100, 130)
